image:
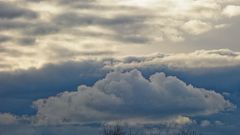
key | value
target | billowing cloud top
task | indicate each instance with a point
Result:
(129, 95)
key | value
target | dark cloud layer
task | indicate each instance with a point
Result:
(4, 38)
(13, 24)
(11, 11)
(20, 88)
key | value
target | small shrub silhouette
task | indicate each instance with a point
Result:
(113, 130)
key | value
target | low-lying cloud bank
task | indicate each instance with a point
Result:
(6, 119)
(129, 95)
(186, 61)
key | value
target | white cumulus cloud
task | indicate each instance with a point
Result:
(231, 11)
(6, 119)
(196, 27)
(122, 96)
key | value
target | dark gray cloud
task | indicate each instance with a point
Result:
(42, 29)
(72, 2)
(13, 24)
(63, 53)
(4, 38)
(20, 88)
(11, 11)
(26, 41)
(128, 28)
(72, 19)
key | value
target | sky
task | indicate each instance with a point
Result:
(69, 66)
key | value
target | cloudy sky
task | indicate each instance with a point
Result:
(68, 66)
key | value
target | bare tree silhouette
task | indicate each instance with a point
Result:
(188, 132)
(120, 130)
(113, 130)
